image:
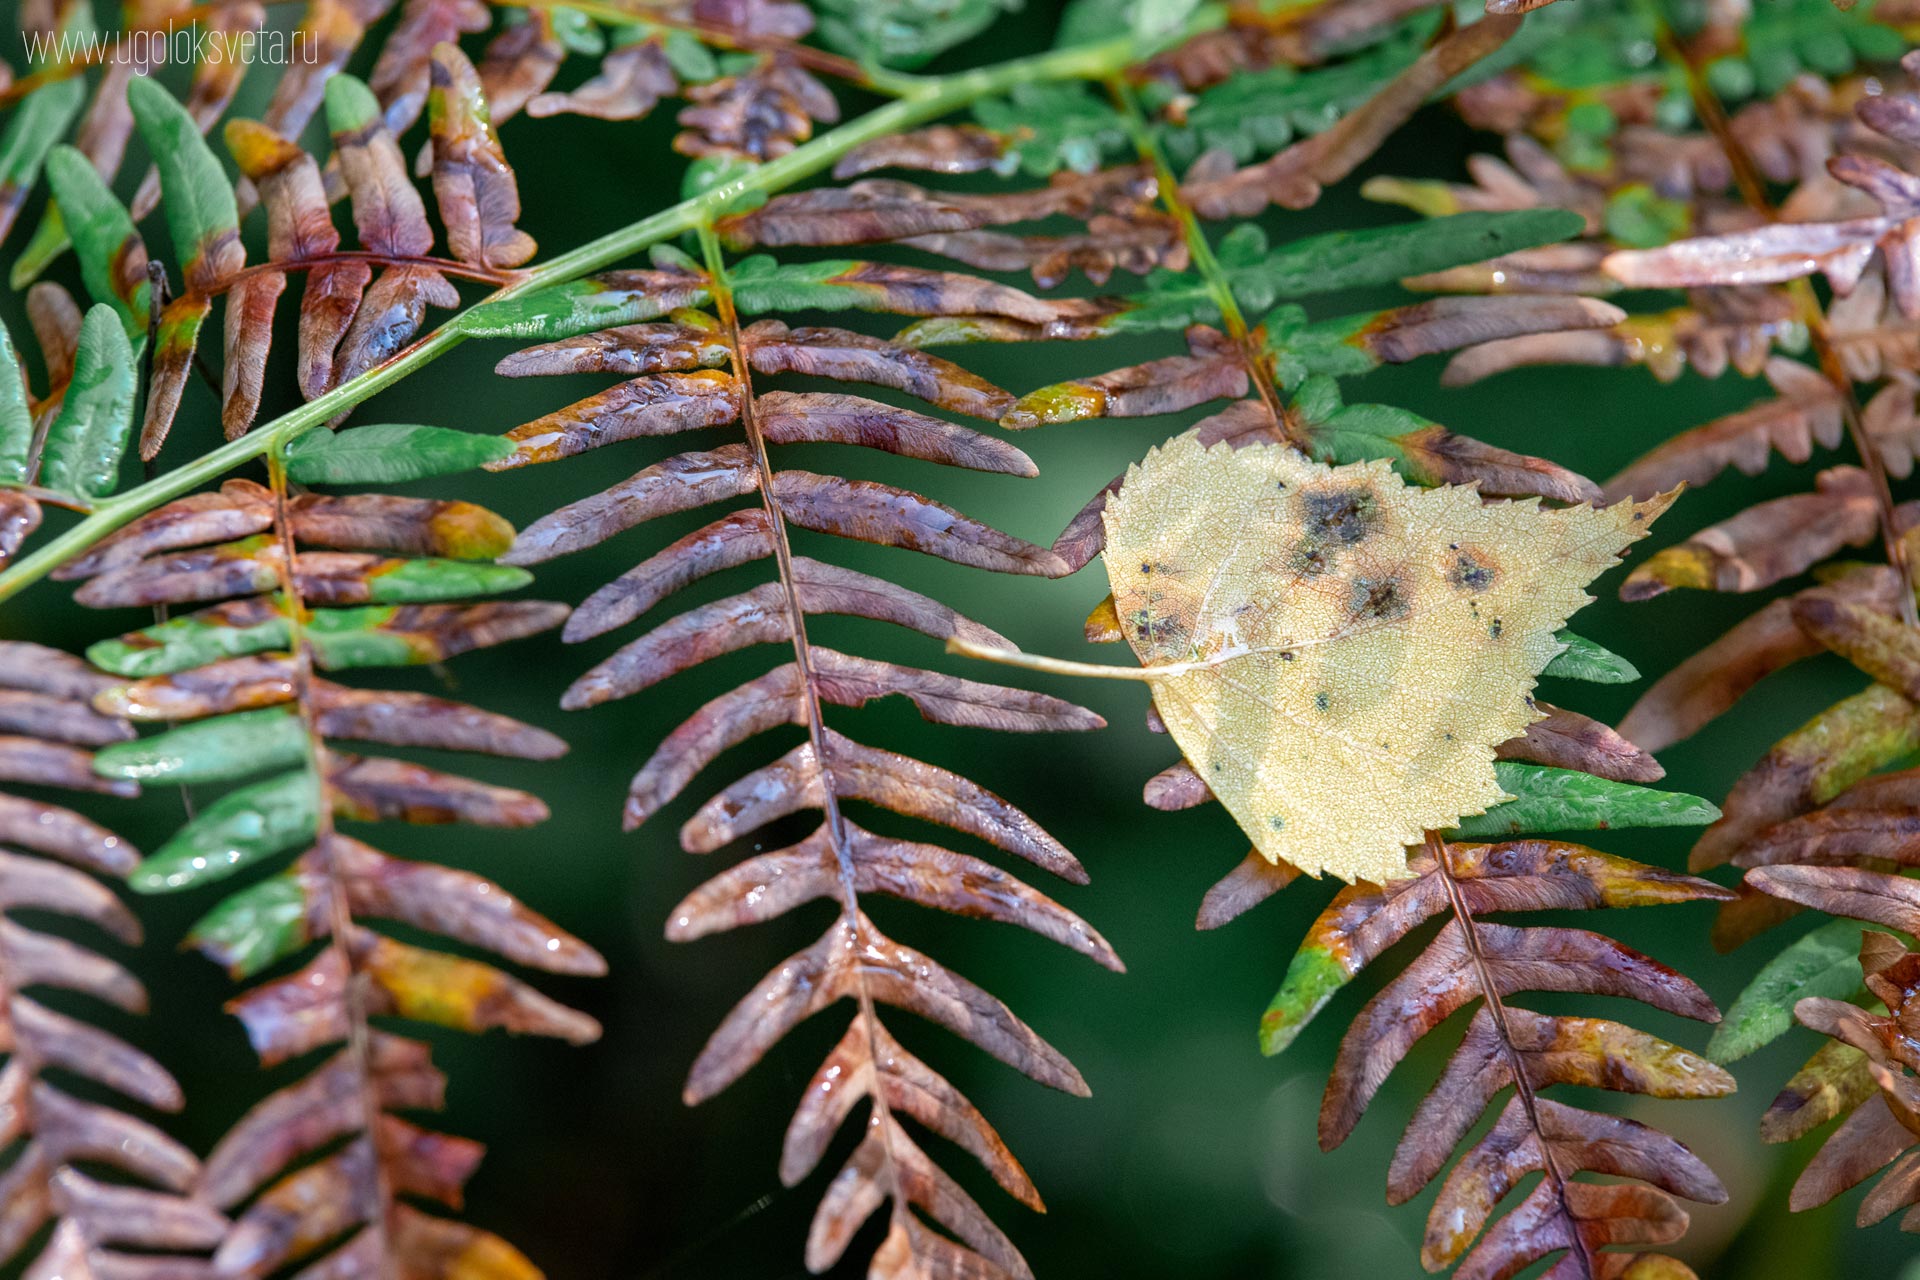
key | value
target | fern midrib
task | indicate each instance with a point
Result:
(1753, 190)
(924, 100)
(497, 276)
(340, 910)
(810, 697)
(44, 414)
(1441, 853)
(1201, 251)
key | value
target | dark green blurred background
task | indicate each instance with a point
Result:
(1195, 1156)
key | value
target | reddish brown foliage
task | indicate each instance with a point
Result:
(1471, 960)
(48, 729)
(701, 371)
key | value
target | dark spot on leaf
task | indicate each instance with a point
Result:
(1470, 573)
(1321, 701)
(1156, 631)
(1310, 558)
(1379, 598)
(1344, 516)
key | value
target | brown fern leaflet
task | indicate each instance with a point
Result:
(327, 1160)
(1816, 822)
(1862, 1076)
(699, 369)
(1472, 959)
(1848, 151)
(48, 732)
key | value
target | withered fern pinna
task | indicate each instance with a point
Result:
(54, 863)
(68, 443)
(701, 369)
(1741, 207)
(1818, 821)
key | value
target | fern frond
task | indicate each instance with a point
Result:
(699, 370)
(1816, 822)
(49, 734)
(1862, 1074)
(1505, 1046)
(357, 310)
(236, 683)
(1641, 186)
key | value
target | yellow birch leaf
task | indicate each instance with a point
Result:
(1337, 653)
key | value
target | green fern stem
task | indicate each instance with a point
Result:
(340, 915)
(1201, 251)
(921, 100)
